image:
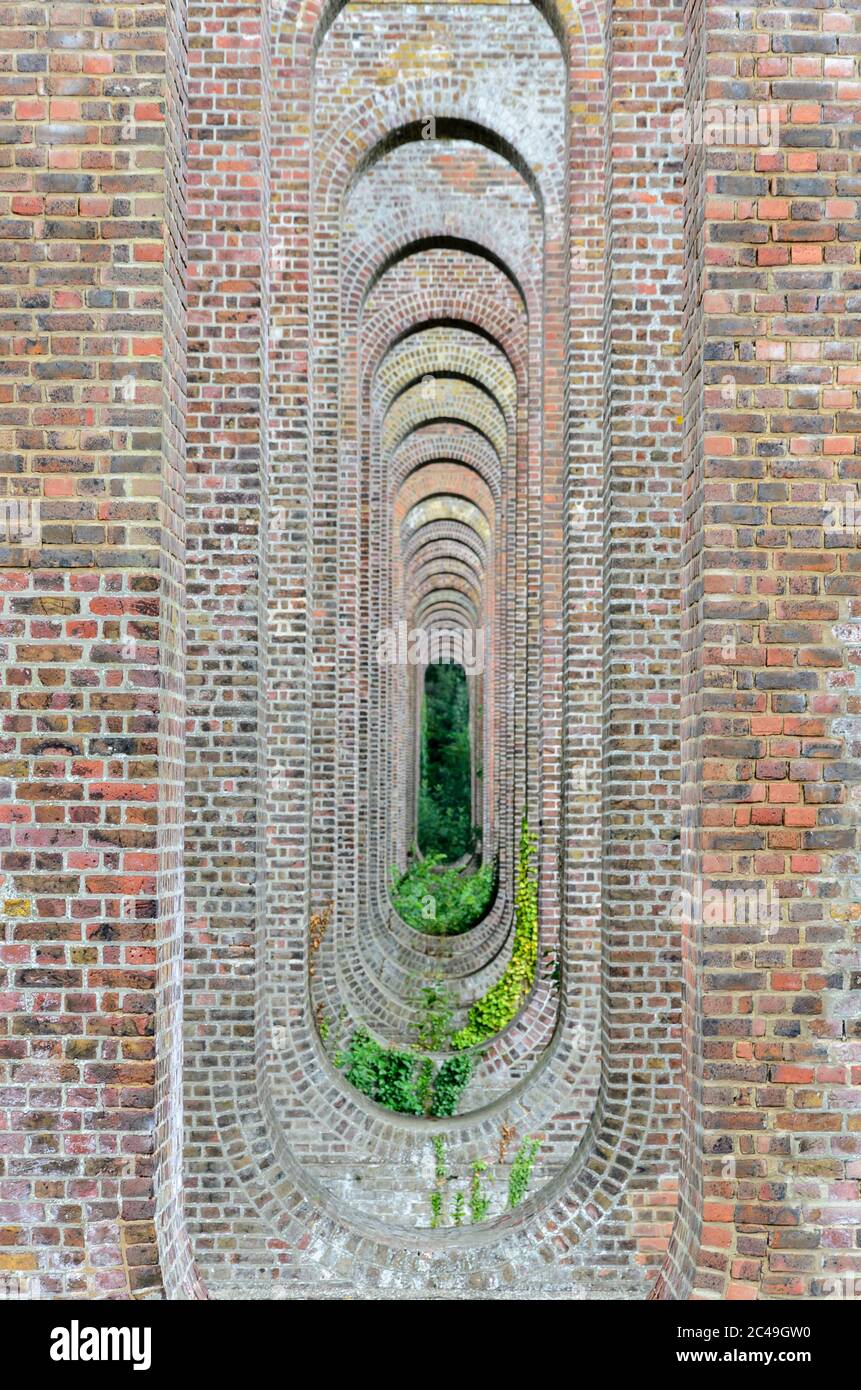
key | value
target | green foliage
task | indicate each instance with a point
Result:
(479, 1202)
(521, 1171)
(443, 830)
(436, 1210)
(442, 902)
(437, 1012)
(439, 1157)
(445, 793)
(451, 1081)
(402, 1082)
(495, 1010)
(424, 1085)
(384, 1075)
(437, 1200)
(457, 1214)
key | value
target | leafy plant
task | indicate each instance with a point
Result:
(436, 1209)
(401, 1081)
(457, 1214)
(424, 1085)
(495, 1010)
(479, 1202)
(439, 1157)
(445, 792)
(437, 1012)
(443, 902)
(451, 1081)
(521, 1171)
(384, 1075)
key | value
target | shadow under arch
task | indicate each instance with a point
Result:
(466, 325)
(449, 128)
(444, 242)
(446, 375)
(560, 19)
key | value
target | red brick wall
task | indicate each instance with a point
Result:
(93, 422)
(770, 1166)
(229, 261)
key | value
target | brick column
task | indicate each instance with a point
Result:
(92, 419)
(642, 490)
(771, 1164)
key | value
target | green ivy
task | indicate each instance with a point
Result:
(424, 1085)
(445, 794)
(436, 1010)
(436, 1210)
(451, 1081)
(521, 1171)
(495, 1010)
(439, 1157)
(384, 1075)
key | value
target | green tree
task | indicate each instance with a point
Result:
(445, 792)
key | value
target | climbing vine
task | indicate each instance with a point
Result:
(436, 1011)
(451, 1081)
(479, 1202)
(476, 1196)
(495, 1010)
(521, 1171)
(437, 1200)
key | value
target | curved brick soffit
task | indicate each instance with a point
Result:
(481, 417)
(497, 322)
(392, 319)
(403, 365)
(590, 1184)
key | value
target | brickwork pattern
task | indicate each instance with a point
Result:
(319, 319)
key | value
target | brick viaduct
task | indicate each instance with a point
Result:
(319, 319)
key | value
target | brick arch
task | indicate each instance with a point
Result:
(367, 132)
(456, 444)
(430, 590)
(437, 350)
(442, 561)
(447, 398)
(443, 478)
(576, 25)
(437, 241)
(378, 242)
(269, 1202)
(453, 533)
(445, 548)
(446, 304)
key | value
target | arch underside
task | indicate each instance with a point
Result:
(424, 453)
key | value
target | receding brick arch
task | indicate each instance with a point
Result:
(588, 1212)
(499, 326)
